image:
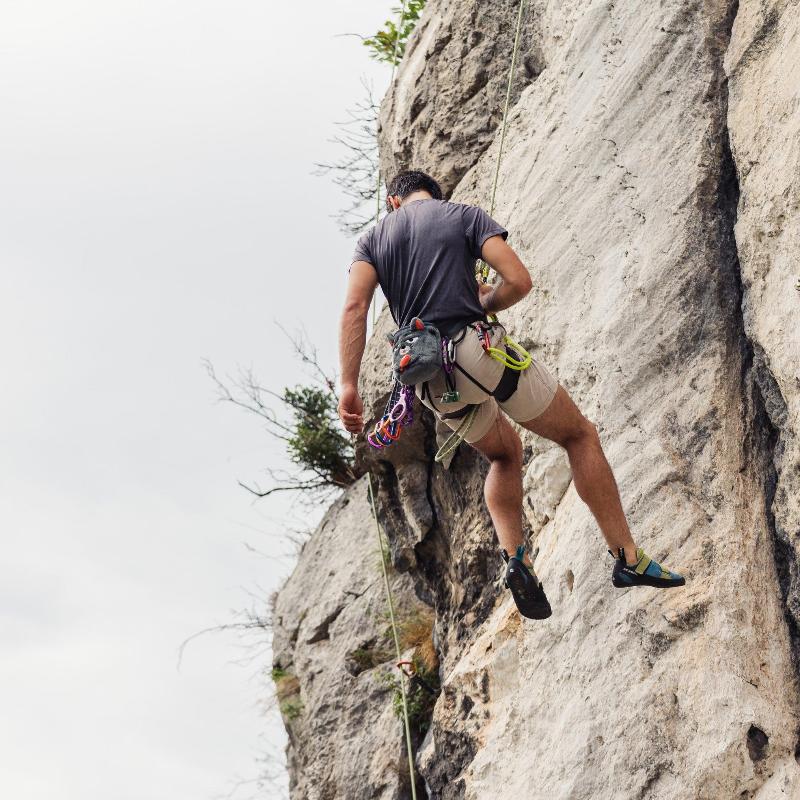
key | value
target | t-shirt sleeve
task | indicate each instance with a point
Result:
(479, 227)
(363, 251)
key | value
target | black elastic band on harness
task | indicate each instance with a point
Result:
(506, 386)
(460, 414)
(508, 383)
(426, 392)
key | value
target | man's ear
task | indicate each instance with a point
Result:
(394, 201)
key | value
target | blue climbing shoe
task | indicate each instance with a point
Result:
(645, 572)
(526, 589)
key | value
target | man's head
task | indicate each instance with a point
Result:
(407, 183)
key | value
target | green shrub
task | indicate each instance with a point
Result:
(317, 443)
(278, 673)
(419, 700)
(369, 657)
(287, 690)
(292, 708)
(382, 44)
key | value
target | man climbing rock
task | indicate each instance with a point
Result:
(423, 256)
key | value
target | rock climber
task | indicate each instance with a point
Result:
(423, 256)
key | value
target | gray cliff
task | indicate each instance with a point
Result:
(651, 183)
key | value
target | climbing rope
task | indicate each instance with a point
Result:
(400, 21)
(458, 435)
(387, 585)
(390, 601)
(504, 124)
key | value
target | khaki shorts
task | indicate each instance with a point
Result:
(534, 392)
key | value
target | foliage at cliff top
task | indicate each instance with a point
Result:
(382, 44)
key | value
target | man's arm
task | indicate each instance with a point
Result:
(352, 339)
(516, 280)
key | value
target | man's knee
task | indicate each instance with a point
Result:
(584, 432)
(501, 444)
(513, 453)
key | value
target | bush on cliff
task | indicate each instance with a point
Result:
(382, 44)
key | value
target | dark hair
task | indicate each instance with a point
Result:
(405, 183)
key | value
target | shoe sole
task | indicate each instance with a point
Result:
(531, 603)
(647, 580)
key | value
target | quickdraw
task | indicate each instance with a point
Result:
(396, 416)
(518, 361)
(409, 669)
(451, 394)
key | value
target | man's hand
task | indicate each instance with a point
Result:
(351, 409)
(485, 292)
(516, 280)
(352, 337)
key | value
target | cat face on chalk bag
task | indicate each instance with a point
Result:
(416, 352)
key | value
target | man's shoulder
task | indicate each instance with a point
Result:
(445, 209)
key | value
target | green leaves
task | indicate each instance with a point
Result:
(316, 442)
(382, 44)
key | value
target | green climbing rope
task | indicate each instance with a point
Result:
(390, 602)
(400, 21)
(456, 437)
(387, 585)
(454, 440)
(504, 124)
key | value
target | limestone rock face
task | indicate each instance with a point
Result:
(763, 64)
(444, 111)
(650, 182)
(329, 621)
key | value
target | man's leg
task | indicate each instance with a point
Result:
(563, 423)
(503, 487)
(503, 492)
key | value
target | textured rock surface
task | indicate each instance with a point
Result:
(445, 110)
(344, 740)
(651, 184)
(763, 63)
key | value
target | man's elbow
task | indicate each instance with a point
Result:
(355, 308)
(523, 284)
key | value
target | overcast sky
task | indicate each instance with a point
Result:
(157, 207)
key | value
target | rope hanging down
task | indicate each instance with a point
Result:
(398, 654)
(504, 124)
(400, 21)
(387, 585)
(458, 435)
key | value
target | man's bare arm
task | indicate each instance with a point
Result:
(352, 339)
(516, 280)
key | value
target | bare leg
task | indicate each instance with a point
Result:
(503, 488)
(563, 423)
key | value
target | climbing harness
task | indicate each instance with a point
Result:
(514, 356)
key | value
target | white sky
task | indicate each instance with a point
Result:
(156, 207)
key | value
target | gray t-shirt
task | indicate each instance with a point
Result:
(425, 254)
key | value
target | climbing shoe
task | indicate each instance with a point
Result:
(528, 593)
(645, 572)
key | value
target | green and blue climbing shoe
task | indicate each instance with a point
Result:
(527, 591)
(645, 572)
